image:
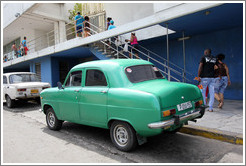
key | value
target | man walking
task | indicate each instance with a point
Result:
(206, 76)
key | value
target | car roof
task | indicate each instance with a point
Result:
(7, 74)
(113, 63)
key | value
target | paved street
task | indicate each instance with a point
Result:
(26, 139)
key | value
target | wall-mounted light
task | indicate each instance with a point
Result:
(17, 14)
(207, 12)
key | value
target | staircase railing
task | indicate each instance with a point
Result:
(148, 56)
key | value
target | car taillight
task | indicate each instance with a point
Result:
(21, 90)
(169, 112)
(198, 103)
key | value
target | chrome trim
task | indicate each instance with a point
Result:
(162, 124)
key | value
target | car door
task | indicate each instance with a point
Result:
(69, 97)
(5, 85)
(93, 101)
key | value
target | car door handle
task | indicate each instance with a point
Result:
(103, 91)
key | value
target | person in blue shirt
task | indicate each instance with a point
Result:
(79, 24)
(23, 43)
(111, 26)
(112, 39)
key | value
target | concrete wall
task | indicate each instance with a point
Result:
(123, 13)
(12, 9)
(228, 42)
(163, 6)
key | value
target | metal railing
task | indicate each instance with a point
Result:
(52, 38)
(146, 56)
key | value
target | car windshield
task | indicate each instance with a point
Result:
(17, 78)
(142, 73)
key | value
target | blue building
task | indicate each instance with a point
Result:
(190, 29)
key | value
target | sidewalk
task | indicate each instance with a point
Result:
(223, 124)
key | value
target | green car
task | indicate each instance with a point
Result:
(128, 96)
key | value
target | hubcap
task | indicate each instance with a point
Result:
(120, 135)
(51, 119)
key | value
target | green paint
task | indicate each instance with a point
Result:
(136, 103)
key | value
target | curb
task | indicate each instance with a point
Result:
(225, 136)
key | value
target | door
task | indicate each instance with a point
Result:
(69, 97)
(5, 86)
(93, 101)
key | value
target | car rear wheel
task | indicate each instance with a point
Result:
(123, 136)
(52, 121)
(10, 102)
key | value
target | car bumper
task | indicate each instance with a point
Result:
(194, 114)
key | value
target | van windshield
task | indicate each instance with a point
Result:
(17, 78)
(142, 73)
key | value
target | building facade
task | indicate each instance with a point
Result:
(171, 34)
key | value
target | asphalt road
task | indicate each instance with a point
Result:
(27, 139)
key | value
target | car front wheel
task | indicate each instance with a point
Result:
(10, 102)
(123, 136)
(52, 121)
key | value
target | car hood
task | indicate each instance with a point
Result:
(169, 93)
(31, 84)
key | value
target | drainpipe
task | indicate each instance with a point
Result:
(184, 75)
(168, 55)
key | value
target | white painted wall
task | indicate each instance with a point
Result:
(123, 13)
(164, 6)
(11, 9)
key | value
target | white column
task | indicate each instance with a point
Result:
(62, 31)
(56, 32)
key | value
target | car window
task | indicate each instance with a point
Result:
(74, 79)
(4, 80)
(141, 73)
(95, 78)
(18, 78)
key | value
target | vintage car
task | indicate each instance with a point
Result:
(129, 97)
(22, 86)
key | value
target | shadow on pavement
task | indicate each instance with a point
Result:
(165, 148)
(23, 106)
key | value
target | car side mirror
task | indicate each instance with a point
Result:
(59, 84)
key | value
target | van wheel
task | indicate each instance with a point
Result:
(123, 136)
(10, 102)
(52, 121)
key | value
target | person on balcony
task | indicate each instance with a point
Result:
(24, 46)
(86, 26)
(79, 24)
(134, 44)
(112, 39)
(14, 49)
(108, 21)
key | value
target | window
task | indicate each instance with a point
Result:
(4, 80)
(17, 78)
(95, 78)
(142, 73)
(74, 79)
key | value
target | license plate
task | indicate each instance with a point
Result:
(184, 106)
(34, 90)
